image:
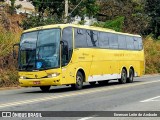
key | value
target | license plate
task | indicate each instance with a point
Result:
(36, 82)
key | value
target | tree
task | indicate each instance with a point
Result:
(54, 6)
(35, 21)
(152, 8)
(135, 19)
(86, 7)
(49, 12)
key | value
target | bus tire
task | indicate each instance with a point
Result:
(131, 76)
(123, 79)
(45, 88)
(92, 83)
(79, 81)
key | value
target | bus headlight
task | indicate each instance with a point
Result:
(53, 75)
(22, 77)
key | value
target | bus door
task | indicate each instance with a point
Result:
(66, 55)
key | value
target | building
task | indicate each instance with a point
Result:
(27, 7)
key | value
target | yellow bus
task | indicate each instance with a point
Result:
(66, 54)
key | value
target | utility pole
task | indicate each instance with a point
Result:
(66, 11)
(66, 8)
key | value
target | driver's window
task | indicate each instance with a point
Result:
(67, 45)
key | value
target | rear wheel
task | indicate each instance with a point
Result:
(79, 81)
(45, 88)
(131, 76)
(123, 77)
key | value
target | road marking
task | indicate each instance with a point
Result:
(85, 118)
(76, 93)
(151, 99)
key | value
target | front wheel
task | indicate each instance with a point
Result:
(45, 88)
(79, 81)
(123, 77)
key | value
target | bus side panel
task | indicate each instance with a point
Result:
(81, 59)
(142, 64)
(104, 66)
(108, 64)
(68, 74)
(133, 59)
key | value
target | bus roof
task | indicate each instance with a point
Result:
(79, 26)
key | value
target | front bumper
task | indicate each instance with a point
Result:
(40, 82)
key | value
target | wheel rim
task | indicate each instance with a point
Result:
(79, 80)
(131, 75)
(123, 76)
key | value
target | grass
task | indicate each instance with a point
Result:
(8, 72)
(10, 32)
(7, 40)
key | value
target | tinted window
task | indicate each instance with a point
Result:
(80, 38)
(103, 40)
(47, 51)
(130, 42)
(122, 42)
(140, 43)
(67, 47)
(28, 40)
(113, 40)
(68, 36)
(92, 38)
(136, 43)
(40, 50)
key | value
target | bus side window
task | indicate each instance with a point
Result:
(130, 42)
(103, 40)
(80, 38)
(67, 45)
(113, 40)
(140, 43)
(92, 38)
(122, 42)
(136, 43)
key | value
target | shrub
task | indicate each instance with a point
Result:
(152, 55)
(116, 24)
(8, 72)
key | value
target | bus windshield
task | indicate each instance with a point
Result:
(39, 50)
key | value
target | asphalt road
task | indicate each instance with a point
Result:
(141, 95)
